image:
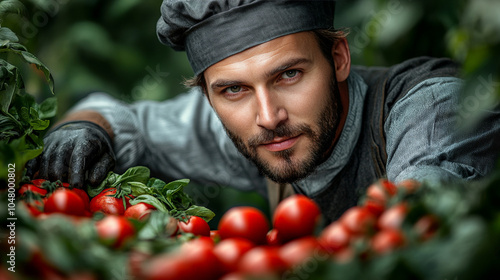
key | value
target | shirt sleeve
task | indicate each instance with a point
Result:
(426, 142)
(178, 138)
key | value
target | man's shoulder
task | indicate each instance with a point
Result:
(407, 73)
(393, 82)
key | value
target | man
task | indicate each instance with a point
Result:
(275, 98)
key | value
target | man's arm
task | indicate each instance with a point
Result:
(177, 138)
(91, 116)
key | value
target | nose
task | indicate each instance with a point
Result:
(270, 113)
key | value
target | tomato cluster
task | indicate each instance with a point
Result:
(246, 243)
(375, 224)
(42, 197)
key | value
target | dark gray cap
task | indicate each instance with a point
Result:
(212, 30)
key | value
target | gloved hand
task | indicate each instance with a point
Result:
(74, 151)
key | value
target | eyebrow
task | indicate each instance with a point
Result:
(222, 83)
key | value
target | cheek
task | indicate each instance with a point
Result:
(309, 100)
(238, 119)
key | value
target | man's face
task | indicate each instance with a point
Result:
(278, 102)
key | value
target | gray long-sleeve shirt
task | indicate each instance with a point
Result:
(183, 138)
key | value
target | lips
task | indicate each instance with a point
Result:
(280, 143)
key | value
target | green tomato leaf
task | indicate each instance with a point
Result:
(155, 226)
(174, 185)
(39, 124)
(30, 58)
(200, 211)
(10, 83)
(7, 36)
(48, 108)
(138, 188)
(151, 200)
(156, 183)
(133, 174)
(10, 7)
(106, 183)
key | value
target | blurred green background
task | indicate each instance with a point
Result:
(111, 46)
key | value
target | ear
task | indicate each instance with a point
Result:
(342, 58)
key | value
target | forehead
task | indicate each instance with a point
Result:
(303, 44)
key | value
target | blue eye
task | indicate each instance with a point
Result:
(233, 89)
(289, 74)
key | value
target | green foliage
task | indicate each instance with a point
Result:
(385, 32)
(23, 121)
(169, 197)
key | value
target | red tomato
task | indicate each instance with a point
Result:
(387, 240)
(296, 216)
(168, 267)
(230, 250)
(214, 234)
(334, 237)
(299, 250)
(261, 261)
(172, 227)
(344, 255)
(136, 261)
(374, 206)
(426, 226)
(196, 226)
(32, 188)
(65, 201)
(245, 222)
(273, 238)
(114, 230)
(33, 208)
(139, 211)
(84, 196)
(193, 261)
(393, 217)
(234, 276)
(409, 185)
(358, 220)
(38, 182)
(381, 191)
(106, 203)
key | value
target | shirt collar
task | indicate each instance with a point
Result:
(324, 174)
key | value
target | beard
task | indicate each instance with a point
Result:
(321, 140)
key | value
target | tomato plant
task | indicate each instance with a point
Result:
(245, 222)
(296, 216)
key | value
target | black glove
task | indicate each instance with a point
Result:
(74, 151)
